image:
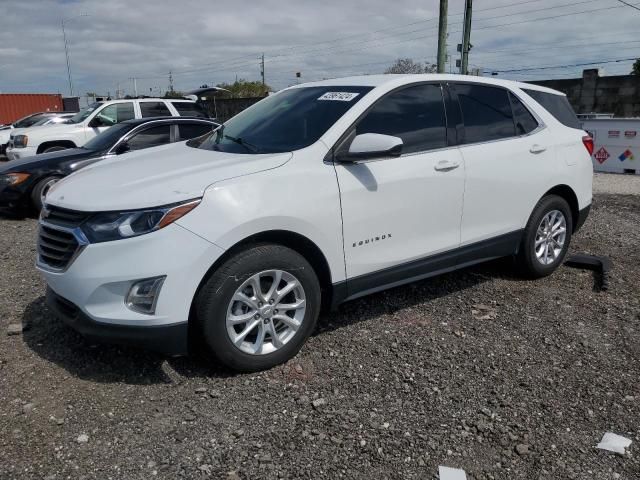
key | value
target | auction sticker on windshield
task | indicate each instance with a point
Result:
(339, 96)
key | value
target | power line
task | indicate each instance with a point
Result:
(328, 48)
(629, 4)
(549, 67)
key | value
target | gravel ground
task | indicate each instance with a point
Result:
(616, 184)
(479, 370)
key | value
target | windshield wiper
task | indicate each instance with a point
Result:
(249, 146)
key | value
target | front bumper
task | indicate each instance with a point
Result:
(95, 285)
(16, 198)
(18, 153)
(167, 339)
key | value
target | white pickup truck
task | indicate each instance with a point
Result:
(93, 120)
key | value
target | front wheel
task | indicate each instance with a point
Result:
(546, 237)
(259, 307)
(39, 192)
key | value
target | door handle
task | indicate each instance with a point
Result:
(446, 165)
(537, 148)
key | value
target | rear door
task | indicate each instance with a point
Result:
(508, 154)
(397, 211)
(154, 108)
(150, 137)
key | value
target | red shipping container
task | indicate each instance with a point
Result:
(17, 105)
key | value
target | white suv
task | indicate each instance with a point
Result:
(321, 193)
(91, 121)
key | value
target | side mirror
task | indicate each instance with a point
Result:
(371, 145)
(121, 148)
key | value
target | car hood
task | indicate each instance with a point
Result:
(53, 129)
(29, 164)
(5, 134)
(153, 177)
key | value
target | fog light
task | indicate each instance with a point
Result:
(143, 295)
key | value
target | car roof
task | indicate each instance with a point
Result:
(140, 121)
(402, 79)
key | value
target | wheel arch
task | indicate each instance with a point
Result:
(295, 241)
(566, 192)
(55, 143)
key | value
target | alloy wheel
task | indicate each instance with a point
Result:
(550, 237)
(266, 312)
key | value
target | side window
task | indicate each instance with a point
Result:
(154, 109)
(486, 113)
(525, 122)
(190, 109)
(193, 130)
(151, 137)
(415, 114)
(116, 113)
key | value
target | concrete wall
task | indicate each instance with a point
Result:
(619, 94)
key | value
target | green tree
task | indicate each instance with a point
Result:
(244, 89)
(408, 65)
(635, 70)
(173, 94)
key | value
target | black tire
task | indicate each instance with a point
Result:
(40, 188)
(55, 148)
(526, 259)
(215, 296)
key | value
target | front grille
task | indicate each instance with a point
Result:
(56, 248)
(63, 217)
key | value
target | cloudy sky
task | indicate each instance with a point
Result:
(213, 41)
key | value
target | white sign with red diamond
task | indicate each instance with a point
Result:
(601, 155)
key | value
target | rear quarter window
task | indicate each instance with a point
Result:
(556, 105)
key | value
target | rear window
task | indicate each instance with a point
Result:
(154, 109)
(525, 122)
(486, 112)
(556, 105)
(190, 109)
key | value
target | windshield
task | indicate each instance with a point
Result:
(286, 121)
(108, 138)
(30, 121)
(84, 113)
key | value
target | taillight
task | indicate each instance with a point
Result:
(588, 143)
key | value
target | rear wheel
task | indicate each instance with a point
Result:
(546, 237)
(258, 308)
(39, 192)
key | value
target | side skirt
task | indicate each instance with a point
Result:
(497, 247)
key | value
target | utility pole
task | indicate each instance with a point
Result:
(135, 86)
(442, 36)
(66, 53)
(466, 45)
(262, 69)
(66, 49)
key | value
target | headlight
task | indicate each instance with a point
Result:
(13, 178)
(20, 141)
(104, 227)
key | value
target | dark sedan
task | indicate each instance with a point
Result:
(25, 183)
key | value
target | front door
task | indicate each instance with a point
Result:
(397, 211)
(109, 116)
